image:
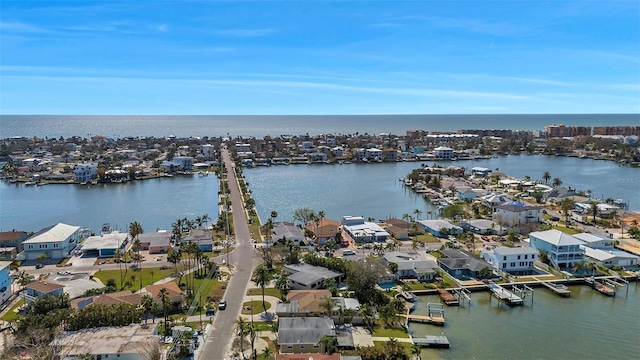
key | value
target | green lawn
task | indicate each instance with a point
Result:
(420, 286)
(267, 292)
(11, 314)
(427, 238)
(391, 333)
(146, 273)
(212, 291)
(262, 325)
(255, 307)
(566, 230)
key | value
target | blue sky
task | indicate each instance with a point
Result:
(313, 57)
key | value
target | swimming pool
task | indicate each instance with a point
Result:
(388, 286)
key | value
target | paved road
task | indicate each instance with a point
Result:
(243, 260)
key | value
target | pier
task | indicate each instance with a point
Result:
(557, 288)
(448, 298)
(505, 295)
(434, 341)
(435, 316)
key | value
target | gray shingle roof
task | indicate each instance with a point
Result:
(307, 330)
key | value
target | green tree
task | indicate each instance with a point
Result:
(328, 343)
(556, 182)
(327, 304)
(566, 205)
(593, 209)
(261, 277)
(546, 177)
(282, 284)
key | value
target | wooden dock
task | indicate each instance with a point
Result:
(426, 319)
(557, 288)
(505, 295)
(435, 341)
(435, 315)
(448, 298)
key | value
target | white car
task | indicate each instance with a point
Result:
(222, 305)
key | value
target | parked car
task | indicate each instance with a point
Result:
(210, 312)
(222, 305)
(39, 265)
(554, 218)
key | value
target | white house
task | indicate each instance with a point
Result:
(184, 162)
(515, 214)
(563, 249)
(363, 231)
(54, 242)
(516, 261)
(595, 241)
(85, 172)
(309, 277)
(374, 154)
(413, 266)
(443, 152)
(440, 228)
(611, 258)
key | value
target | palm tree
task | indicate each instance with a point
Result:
(546, 176)
(261, 278)
(282, 284)
(593, 209)
(242, 327)
(146, 301)
(406, 217)
(415, 351)
(329, 343)
(118, 255)
(273, 215)
(24, 279)
(164, 299)
(135, 229)
(155, 307)
(417, 213)
(327, 304)
(267, 354)
(556, 182)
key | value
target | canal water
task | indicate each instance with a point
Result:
(588, 325)
(154, 203)
(373, 190)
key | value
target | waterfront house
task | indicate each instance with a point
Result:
(286, 231)
(105, 245)
(106, 343)
(515, 214)
(480, 171)
(184, 162)
(462, 264)
(440, 228)
(85, 172)
(611, 258)
(465, 193)
(6, 289)
(515, 261)
(596, 241)
(373, 154)
(120, 297)
(483, 227)
(156, 243)
(412, 266)
(303, 334)
(324, 230)
(493, 200)
(203, 238)
(363, 231)
(308, 277)
(443, 153)
(12, 239)
(54, 242)
(39, 288)
(563, 249)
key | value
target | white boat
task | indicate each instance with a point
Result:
(29, 183)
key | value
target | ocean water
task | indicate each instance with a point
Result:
(214, 126)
